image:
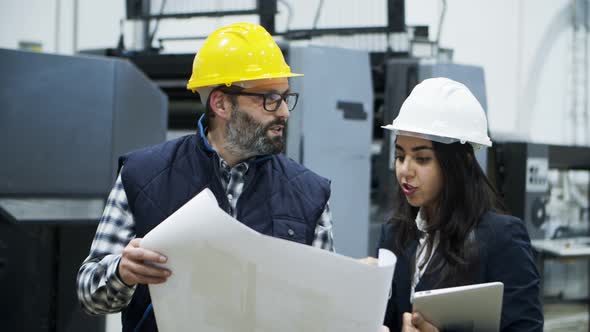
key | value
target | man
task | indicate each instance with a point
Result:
(242, 78)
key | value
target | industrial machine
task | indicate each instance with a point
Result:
(330, 132)
(64, 121)
(522, 172)
(266, 10)
(548, 187)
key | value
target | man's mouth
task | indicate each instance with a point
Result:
(277, 129)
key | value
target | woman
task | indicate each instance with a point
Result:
(447, 229)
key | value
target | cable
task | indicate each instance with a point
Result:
(440, 22)
(121, 42)
(57, 22)
(317, 15)
(289, 13)
(151, 37)
(586, 59)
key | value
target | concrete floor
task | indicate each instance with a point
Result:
(562, 317)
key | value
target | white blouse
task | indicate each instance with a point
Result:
(421, 259)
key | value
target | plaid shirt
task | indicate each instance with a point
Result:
(99, 287)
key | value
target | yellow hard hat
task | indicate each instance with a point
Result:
(238, 52)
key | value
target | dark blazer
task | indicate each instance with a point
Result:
(505, 255)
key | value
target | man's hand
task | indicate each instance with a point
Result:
(135, 268)
(416, 323)
(384, 329)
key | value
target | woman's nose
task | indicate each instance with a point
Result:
(405, 168)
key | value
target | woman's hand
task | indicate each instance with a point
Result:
(416, 323)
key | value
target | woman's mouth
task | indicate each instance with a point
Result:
(408, 189)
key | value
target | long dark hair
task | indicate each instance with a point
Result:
(466, 195)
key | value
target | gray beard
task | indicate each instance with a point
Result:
(245, 137)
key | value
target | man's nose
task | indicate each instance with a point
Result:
(283, 110)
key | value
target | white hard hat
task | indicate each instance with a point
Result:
(442, 110)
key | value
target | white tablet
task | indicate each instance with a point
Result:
(465, 308)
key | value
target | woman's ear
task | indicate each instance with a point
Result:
(470, 154)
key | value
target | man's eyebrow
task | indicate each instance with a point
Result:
(281, 93)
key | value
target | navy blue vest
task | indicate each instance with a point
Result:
(280, 197)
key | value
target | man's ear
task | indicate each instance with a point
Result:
(220, 105)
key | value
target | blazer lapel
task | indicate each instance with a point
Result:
(403, 275)
(429, 280)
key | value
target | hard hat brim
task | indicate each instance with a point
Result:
(420, 133)
(194, 85)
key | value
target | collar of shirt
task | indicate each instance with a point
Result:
(421, 223)
(422, 226)
(232, 175)
(423, 255)
(232, 178)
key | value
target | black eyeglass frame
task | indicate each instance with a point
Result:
(264, 96)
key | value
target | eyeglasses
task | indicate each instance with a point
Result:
(271, 100)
